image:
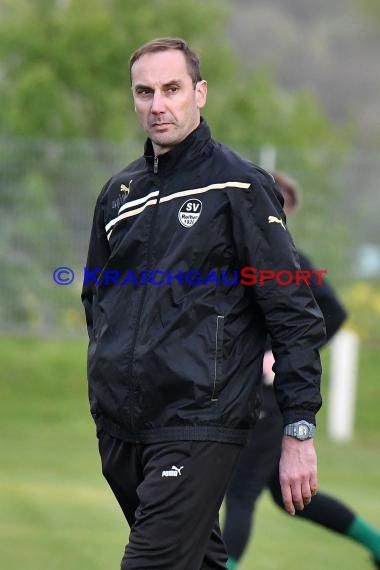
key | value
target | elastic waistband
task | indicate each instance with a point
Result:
(175, 433)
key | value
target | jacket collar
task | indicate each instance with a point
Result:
(185, 151)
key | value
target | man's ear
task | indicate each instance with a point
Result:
(201, 93)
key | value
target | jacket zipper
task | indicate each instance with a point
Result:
(218, 356)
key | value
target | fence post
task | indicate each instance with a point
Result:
(268, 157)
(342, 385)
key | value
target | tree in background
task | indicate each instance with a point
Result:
(65, 63)
(67, 121)
(64, 67)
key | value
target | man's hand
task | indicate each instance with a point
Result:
(298, 473)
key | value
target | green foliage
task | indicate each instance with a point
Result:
(65, 73)
(65, 64)
(259, 113)
(67, 124)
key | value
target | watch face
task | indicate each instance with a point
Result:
(303, 431)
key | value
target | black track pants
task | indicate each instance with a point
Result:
(170, 494)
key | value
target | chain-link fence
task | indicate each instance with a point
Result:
(47, 195)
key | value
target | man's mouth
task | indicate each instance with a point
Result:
(161, 123)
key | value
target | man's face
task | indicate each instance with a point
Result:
(166, 102)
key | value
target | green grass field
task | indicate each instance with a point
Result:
(57, 512)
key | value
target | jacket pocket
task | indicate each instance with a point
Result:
(218, 358)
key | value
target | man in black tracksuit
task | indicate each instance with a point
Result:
(177, 326)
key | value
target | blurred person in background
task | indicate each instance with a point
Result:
(258, 467)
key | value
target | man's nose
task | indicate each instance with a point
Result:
(158, 103)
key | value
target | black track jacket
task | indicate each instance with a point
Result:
(176, 340)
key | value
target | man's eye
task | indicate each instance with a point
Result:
(173, 89)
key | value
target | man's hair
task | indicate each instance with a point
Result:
(165, 44)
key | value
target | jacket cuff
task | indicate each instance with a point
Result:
(291, 416)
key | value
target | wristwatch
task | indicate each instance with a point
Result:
(300, 430)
